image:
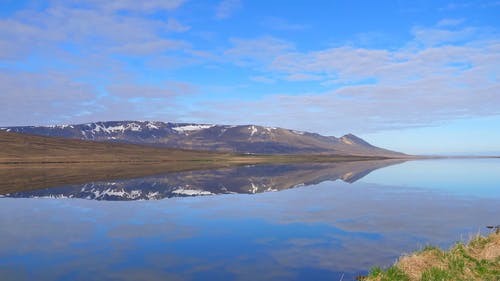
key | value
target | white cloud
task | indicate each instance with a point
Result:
(256, 51)
(169, 90)
(435, 36)
(262, 79)
(40, 99)
(457, 6)
(226, 8)
(148, 47)
(303, 77)
(127, 5)
(373, 89)
(449, 22)
(362, 109)
(175, 26)
(80, 46)
(90, 30)
(344, 63)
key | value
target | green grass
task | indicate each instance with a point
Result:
(394, 273)
(375, 271)
(471, 262)
(436, 274)
(429, 248)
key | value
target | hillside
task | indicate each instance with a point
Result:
(24, 148)
(240, 139)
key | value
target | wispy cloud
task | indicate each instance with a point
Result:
(176, 26)
(135, 90)
(127, 5)
(459, 5)
(148, 47)
(262, 79)
(435, 36)
(91, 30)
(449, 22)
(42, 97)
(415, 85)
(227, 8)
(82, 49)
(303, 77)
(257, 50)
(456, 5)
(282, 24)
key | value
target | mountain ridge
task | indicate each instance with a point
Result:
(251, 139)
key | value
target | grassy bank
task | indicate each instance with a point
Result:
(477, 260)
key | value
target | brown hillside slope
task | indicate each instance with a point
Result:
(23, 148)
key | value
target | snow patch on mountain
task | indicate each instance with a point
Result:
(152, 126)
(298, 132)
(253, 130)
(346, 141)
(99, 127)
(191, 192)
(190, 128)
(100, 194)
(253, 188)
(115, 129)
(60, 126)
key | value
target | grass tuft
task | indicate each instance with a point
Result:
(394, 273)
(479, 260)
(375, 271)
(436, 274)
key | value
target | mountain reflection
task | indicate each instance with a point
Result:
(241, 180)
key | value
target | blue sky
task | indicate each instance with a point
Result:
(416, 77)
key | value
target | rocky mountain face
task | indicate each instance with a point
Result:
(240, 180)
(242, 139)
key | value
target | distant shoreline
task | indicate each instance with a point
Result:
(416, 157)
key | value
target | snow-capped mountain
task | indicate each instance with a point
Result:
(243, 139)
(241, 180)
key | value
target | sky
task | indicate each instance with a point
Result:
(414, 76)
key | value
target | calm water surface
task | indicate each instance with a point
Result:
(321, 223)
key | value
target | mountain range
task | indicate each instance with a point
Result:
(250, 139)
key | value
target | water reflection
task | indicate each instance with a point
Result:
(242, 180)
(323, 232)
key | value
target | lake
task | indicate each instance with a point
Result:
(270, 222)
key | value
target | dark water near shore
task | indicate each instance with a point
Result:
(286, 222)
